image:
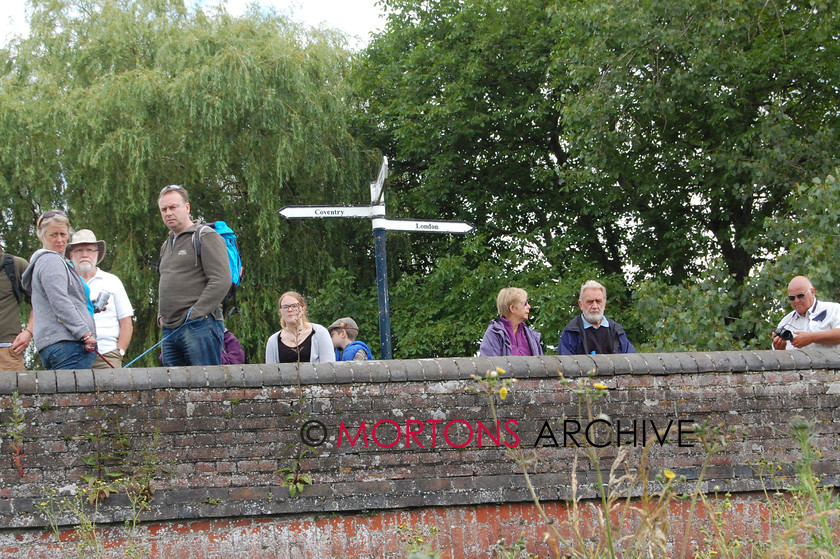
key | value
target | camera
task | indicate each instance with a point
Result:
(784, 334)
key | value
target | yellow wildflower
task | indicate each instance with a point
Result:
(503, 392)
(669, 475)
(600, 386)
(500, 370)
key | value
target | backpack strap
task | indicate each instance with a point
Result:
(9, 266)
(197, 237)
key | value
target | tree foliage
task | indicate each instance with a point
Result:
(649, 142)
(698, 118)
(107, 101)
(692, 315)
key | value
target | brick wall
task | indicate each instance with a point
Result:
(457, 532)
(217, 437)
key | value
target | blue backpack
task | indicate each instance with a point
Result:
(234, 259)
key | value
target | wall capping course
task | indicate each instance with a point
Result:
(8, 384)
(103, 379)
(158, 378)
(253, 377)
(798, 360)
(217, 377)
(414, 370)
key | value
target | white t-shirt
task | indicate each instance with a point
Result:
(108, 321)
(819, 318)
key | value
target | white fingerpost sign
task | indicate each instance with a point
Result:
(376, 213)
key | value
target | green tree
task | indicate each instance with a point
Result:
(455, 92)
(647, 143)
(107, 101)
(692, 315)
(698, 118)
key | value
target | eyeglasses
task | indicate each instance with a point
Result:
(292, 307)
(84, 250)
(49, 215)
(799, 296)
(169, 187)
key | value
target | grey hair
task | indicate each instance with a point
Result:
(57, 218)
(592, 284)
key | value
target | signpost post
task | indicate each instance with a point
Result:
(376, 213)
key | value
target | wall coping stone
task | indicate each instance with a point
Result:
(414, 370)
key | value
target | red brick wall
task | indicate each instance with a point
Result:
(224, 433)
(462, 533)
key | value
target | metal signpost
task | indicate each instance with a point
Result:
(376, 213)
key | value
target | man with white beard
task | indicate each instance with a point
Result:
(114, 324)
(591, 332)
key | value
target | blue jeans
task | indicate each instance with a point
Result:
(197, 342)
(67, 355)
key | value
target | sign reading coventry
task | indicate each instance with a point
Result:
(303, 212)
(376, 213)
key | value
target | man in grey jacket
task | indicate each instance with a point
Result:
(191, 287)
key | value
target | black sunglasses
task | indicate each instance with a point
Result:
(799, 296)
(49, 215)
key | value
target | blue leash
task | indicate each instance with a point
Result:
(186, 321)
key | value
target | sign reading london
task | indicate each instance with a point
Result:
(376, 213)
(418, 226)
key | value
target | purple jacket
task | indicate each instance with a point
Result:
(496, 341)
(232, 353)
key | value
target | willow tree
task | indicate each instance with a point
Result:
(107, 101)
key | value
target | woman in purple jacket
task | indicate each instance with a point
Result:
(508, 334)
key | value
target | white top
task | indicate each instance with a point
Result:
(108, 321)
(819, 318)
(322, 346)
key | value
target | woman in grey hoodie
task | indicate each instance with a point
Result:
(64, 331)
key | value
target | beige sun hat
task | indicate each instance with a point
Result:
(86, 237)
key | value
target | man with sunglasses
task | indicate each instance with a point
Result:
(812, 323)
(191, 287)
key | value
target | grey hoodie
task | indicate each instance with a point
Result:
(59, 300)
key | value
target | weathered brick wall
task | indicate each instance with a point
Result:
(218, 436)
(457, 532)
